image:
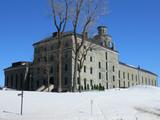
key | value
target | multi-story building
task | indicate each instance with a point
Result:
(101, 65)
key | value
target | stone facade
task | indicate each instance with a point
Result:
(101, 66)
(14, 76)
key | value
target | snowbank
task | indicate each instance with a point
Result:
(140, 102)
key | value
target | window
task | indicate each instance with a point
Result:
(51, 69)
(66, 67)
(85, 84)
(84, 47)
(113, 69)
(65, 81)
(132, 77)
(100, 75)
(123, 75)
(113, 78)
(106, 66)
(84, 57)
(106, 55)
(84, 68)
(78, 81)
(91, 49)
(99, 64)
(91, 70)
(128, 76)
(91, 59)
(119, 74)
(106, 76)
(106, 85)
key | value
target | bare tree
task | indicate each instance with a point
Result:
(43, 64)
(81, 59)
(60, 18)
(86, 12)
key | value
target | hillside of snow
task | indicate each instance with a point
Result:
(136, 103)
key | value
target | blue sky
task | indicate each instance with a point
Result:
(133, 24)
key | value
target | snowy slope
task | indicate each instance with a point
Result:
(140, 102)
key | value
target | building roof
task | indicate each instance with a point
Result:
(137, 68)
(18, 64)
(54, 36)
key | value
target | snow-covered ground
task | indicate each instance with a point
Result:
(136, 103)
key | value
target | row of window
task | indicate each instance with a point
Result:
(51, 69)
(134, 77)
(51, 47)
(51, 58)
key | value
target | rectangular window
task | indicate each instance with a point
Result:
(84, 68)
(106, 66)
(119, 74)
(78, 81)
(91, 59)
(91, 70)
(106, 56)
(113, 78)
(132, 77)
(66, 67)
(84, 57)
(113, 69)
(65, 81)
(100, 75)
(123, 75)
(85, 83)
(128, 76)
(51, 69)
(99, 64)
(106, 76)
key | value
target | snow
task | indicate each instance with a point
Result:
(140, 102)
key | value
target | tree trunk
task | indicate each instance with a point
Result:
(80, 89)
(75, 74)
(59, 63)
(48, 81)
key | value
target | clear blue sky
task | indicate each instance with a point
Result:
(133, 24)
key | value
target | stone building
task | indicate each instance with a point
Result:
(14, 76)
(101, 66)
